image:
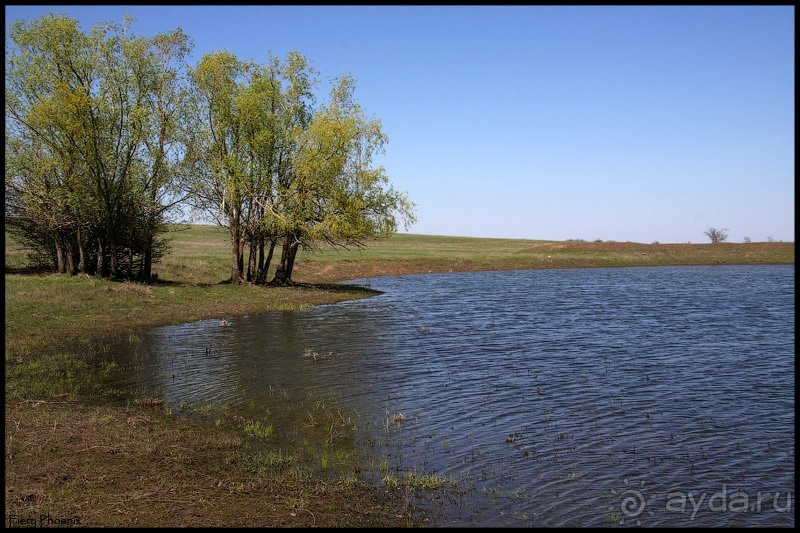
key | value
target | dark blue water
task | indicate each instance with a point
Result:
(656, 396)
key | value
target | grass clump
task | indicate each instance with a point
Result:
(415, 481)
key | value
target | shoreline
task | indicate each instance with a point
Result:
(71, 454)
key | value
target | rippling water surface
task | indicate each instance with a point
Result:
(636, 396)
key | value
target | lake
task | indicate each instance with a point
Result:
(653, 396)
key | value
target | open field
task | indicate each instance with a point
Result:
(407, 254)
(73, 453)
(201, 255)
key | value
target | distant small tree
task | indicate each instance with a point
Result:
(717, 235)
(747, 239)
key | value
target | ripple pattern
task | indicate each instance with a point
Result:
(553, 395)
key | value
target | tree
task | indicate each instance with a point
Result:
(105, 138)
(220, 157)
(48, 82)
(336, 196)
(273, 169)
(716, 235)
(165, 146)
(90, 119)
(278, 106)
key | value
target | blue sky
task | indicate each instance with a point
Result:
(616, 123)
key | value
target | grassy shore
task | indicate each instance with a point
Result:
(75, 451)
(409, 254)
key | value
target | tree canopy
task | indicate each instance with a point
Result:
(92, 142)
(107, 133)
(274, 169)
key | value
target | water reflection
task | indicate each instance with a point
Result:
(553, 395)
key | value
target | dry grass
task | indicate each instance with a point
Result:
(138, 289)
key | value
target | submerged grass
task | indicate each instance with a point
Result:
(417, 481)
(80, 450)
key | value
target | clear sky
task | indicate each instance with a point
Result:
(648, 123)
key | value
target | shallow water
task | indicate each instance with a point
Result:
(658, 396)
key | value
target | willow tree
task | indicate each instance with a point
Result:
(89, 125)
(274, 169)
(277, 105)
(242, 147)
(336, 195)
(219, 152)
(49, 77)
(162, 159)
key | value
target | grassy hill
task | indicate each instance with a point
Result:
(201, 254)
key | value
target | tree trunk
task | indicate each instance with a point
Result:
(100, 259)
(81, 253)
(61, 266)
(69, 258)
(147, 268)
(251, 262)
(112, 252)
(240, 260)
(236, 272)
(130, 263)
(290, 263)
(263, 270)
(283, 275)
(260, 260)
(150, 237)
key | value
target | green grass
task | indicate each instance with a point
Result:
(415, 481)
(202, 253)
(405, 254)
(407, 246)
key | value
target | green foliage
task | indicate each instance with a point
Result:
(109, 132)
(275, 170)
(268, 463)
(92, 143)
